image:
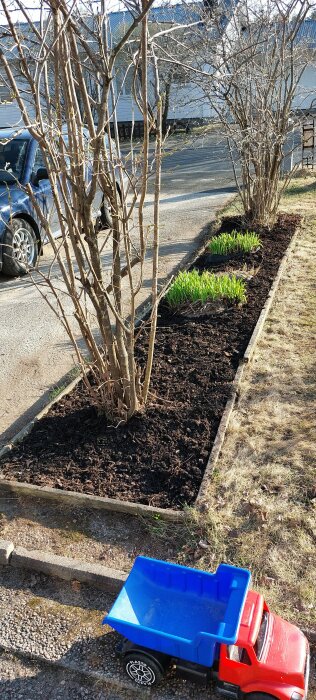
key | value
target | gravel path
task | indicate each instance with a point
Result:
(24, 679)
(60, 622)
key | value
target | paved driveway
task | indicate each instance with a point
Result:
(34, 350)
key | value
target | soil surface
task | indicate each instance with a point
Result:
(159, 458)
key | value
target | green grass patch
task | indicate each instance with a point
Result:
(74, 372)
(192, 287)
(56, 391)
(34, 602)
(234, 242)
(72, 535)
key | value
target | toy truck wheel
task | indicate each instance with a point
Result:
(142, 669)
(259, 696)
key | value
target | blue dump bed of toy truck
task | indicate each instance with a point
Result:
(182, 612)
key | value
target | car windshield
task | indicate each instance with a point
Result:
(12, 159)
(261, 635)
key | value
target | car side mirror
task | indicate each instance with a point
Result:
(41, 174)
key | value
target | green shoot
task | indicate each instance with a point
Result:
(191, 287)
(234, 242)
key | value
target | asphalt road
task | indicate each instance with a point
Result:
(203, 166)
(34, 350)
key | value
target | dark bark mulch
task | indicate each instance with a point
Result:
(158, 458)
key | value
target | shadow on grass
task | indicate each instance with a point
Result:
(300, 188)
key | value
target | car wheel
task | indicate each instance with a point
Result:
(20, 248)
(142, 669)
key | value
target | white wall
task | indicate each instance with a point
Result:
(126, 110)
(10, 114)
(306, 90)
(188, 102)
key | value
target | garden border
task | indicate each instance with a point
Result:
(66, 568)
(117, 505)
(77, 500)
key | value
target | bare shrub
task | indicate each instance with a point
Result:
(61, 72)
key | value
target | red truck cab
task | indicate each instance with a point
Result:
(269, 659)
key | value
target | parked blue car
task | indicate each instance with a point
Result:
(21, 233)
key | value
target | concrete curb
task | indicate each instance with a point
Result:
(109, 580)
(66, 568)
(110, 682)
(201, 499)
(6, 549)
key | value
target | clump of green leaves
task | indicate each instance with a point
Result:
(234, 242)
(192, 287)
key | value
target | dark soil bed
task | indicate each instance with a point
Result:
(219, 262)
(159, 458)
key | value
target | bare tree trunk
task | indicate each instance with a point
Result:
(154, 289)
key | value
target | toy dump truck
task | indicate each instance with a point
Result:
(211, 628)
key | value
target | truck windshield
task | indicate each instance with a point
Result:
(12, 159)
(258, 647)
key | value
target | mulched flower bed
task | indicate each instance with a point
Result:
(159, 458)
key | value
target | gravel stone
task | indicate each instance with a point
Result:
(23, 679)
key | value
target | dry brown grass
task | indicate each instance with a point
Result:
(263, 497)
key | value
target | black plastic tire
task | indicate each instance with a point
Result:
(142, 669)
(19, 248)
(259, 696)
